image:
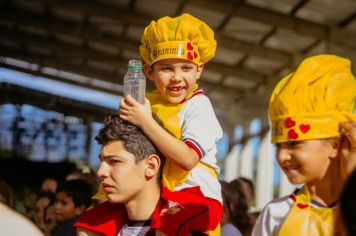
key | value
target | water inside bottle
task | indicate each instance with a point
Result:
(136, 88)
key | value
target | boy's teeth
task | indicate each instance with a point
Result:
(175, 89)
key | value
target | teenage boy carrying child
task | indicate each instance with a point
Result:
(175, 51)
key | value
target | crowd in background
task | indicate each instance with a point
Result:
(57, 203)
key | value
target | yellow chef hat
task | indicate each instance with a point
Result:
(184, 37)
(311, 102)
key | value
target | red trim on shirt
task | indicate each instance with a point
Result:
(197, 92)
(195, 147)
(292, 196)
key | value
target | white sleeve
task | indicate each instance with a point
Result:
(230, 230)
(200, 126)
(272, 217)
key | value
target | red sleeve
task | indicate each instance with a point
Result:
(106, 218)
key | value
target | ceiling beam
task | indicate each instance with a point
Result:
(19, 95)
(71, 50)
(122, 16)
(40, 73)
(59, 62)
(280, 20)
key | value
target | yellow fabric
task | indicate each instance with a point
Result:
(184, 37)
(306, 220)
(310, 102)
(100, 194)
(215, 232)
(210, 169)
(172, 175)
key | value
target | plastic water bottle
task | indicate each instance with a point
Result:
(135, 81)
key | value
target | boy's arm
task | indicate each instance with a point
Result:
(170, 147)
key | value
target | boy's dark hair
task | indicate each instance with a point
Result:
(133, 138)
(235, 201)
(348, 204)
(249, 183)
(79, 189)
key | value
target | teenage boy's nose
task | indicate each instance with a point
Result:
(102, 172)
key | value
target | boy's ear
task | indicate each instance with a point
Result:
(153, 163)
(148, 70)
(335, 146)
(200, 69)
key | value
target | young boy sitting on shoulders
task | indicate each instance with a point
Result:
(309, 110)
(175, 50)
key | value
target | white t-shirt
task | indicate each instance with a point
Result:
(135, 228)
(230, 230)
(201, 130)
(272, 217)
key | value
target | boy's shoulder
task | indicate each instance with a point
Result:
(272, 216)
(279, 206)
(106, 218)
(198, 99)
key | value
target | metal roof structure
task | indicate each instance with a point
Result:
(88, 43)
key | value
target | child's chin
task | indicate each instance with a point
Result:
(294, 180)
(175, 100)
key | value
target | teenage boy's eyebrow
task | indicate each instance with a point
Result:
(102, 157)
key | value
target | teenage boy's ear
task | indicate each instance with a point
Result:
(152, 166)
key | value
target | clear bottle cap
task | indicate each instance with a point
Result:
(135, 64)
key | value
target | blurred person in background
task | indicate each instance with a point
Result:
(73, 197)
(44, 201)
(236, 219)
(6, 194)
(86, 173)
(248, 188)
(49, 185)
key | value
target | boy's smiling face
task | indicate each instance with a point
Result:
(174, 78)
(306, 161)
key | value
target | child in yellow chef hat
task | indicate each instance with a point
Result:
(175, 51)
(310, 111)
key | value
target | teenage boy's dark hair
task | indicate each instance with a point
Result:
(133, 138)
(79, 189)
